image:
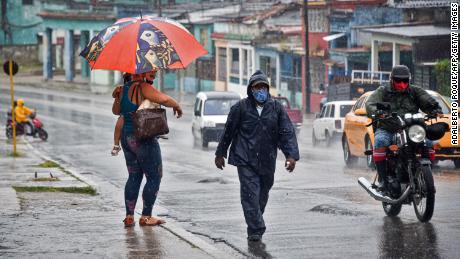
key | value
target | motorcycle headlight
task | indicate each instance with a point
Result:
(209, 124)
(417, 133)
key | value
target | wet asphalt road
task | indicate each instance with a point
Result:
(319, 211)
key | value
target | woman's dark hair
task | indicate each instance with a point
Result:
(126, 77)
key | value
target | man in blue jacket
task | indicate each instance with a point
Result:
(256, 127)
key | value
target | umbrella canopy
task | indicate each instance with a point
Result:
(139, 45)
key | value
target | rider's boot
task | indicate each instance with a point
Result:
(380, 160)
(382, 172)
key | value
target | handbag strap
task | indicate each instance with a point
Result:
(137, 85)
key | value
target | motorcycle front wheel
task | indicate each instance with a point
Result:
(42, 134)
(424, 196)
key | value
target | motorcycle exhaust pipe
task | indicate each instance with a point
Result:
(378, 196)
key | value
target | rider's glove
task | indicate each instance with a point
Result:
(380, 113)
(392, 124)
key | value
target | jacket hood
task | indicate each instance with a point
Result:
(257, 76)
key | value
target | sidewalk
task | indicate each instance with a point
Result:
(74, 223)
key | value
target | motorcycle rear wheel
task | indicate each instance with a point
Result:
(424, 196)
(393, 210)
(9, 133)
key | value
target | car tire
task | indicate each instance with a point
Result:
(328, 138)
(369, 159)
(350, 160)
(314, 140)
(204, 142)
(457, 163)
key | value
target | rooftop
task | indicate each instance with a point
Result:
(76, 16)
(414, 31)
(422, 3)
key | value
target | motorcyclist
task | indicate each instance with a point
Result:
(22, 114)
(403, 98)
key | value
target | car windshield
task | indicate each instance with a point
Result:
(344, 109)
(444, 107)
(218, 106)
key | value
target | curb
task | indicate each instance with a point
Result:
(193, 240)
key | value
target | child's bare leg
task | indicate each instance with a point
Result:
(118, 129)
(117, 136)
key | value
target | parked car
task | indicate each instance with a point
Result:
(328, 125)
(295, 115)
(357, 137)
(210, 114)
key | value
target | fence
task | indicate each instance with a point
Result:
(371, 77)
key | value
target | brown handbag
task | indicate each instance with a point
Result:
(149, 122)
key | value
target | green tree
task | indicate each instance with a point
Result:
(442, 72)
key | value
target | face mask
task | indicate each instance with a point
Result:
(400, 86)
(260, 95)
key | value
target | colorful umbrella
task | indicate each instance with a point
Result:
(138, 45)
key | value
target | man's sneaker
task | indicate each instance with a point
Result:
(254, 238)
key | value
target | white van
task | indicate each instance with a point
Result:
(210, 114)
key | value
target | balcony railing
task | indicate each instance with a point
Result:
(366, 76)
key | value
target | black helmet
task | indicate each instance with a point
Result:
(400, 71)
(437, 130)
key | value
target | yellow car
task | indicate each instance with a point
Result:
(357, 137)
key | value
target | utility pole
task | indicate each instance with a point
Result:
(307, 57)
(161, 79)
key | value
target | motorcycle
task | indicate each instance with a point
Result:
(410, 178)
(36, 130)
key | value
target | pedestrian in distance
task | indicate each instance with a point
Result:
(256, 127)
(143, 157)
(22, 114)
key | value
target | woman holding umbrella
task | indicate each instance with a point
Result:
(141, 47)
(143, 157)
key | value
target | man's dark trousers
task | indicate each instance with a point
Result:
(254, 188)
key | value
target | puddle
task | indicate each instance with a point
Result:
(334, 210)
(214, 180)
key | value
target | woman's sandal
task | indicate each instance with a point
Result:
(129, 221)
(150, 221)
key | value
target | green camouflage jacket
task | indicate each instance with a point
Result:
(409, 101)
